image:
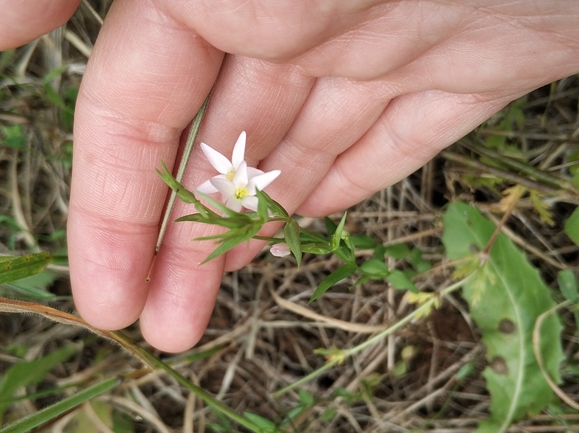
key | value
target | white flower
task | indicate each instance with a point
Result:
(241, 190)
(280, 250)
(224, 166)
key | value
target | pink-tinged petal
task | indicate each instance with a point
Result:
(233, 204)
(207, 187)
(240, 179)
(262, 181)
(250, 202)
(239, 151)
(224, 186)
(252, 172)
(217, 160)
(280, 250)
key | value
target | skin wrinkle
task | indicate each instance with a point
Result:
(283, 35)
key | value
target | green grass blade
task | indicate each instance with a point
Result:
(51, 412)
(14, 268)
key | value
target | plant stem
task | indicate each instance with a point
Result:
(354, 350)
(195, 126)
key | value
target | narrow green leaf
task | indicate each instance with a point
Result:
(264, 424)
(51, 412)
(26, 373)
(339, 274)
(262, 210)
(35, 286)
(572, 226)
(330, 226)
(232, 223)
(568, 284)
(316, 248)
(337, 236)
(275, 208)
(291, 232)
(505, 296)
(182, 192)
(244, 234)
(220, 206)
(307, 236)
(14, 268)
(400, 281)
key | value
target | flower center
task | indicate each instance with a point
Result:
(230, 174)
(240, 192)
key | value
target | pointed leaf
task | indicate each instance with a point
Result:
(245, 234)
(215, 219)
(339, 274)
(182, 192)
(291, 233)
(219, 206)
(337, 236)
(275, 208)
(400, 281)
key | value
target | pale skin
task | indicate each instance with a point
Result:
(345, 98)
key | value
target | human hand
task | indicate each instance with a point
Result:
(345, 100)
(24, 20)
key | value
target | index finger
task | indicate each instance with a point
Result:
(147, 77)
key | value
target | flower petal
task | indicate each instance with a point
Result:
(239, 151)
(252, 172)
(207, 187)
(240, 179)
(233, 204)
(250, 202)
(261, 181)
(280, 250)
(224, 186)
(217, 160)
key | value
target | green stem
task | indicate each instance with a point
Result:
(522, 167)
(380, 336)
(503, 174)
(156, 363)
(195, 126)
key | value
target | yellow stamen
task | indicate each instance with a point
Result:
(230, 174)
(240, 192)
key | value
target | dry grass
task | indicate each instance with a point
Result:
(263, 334)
